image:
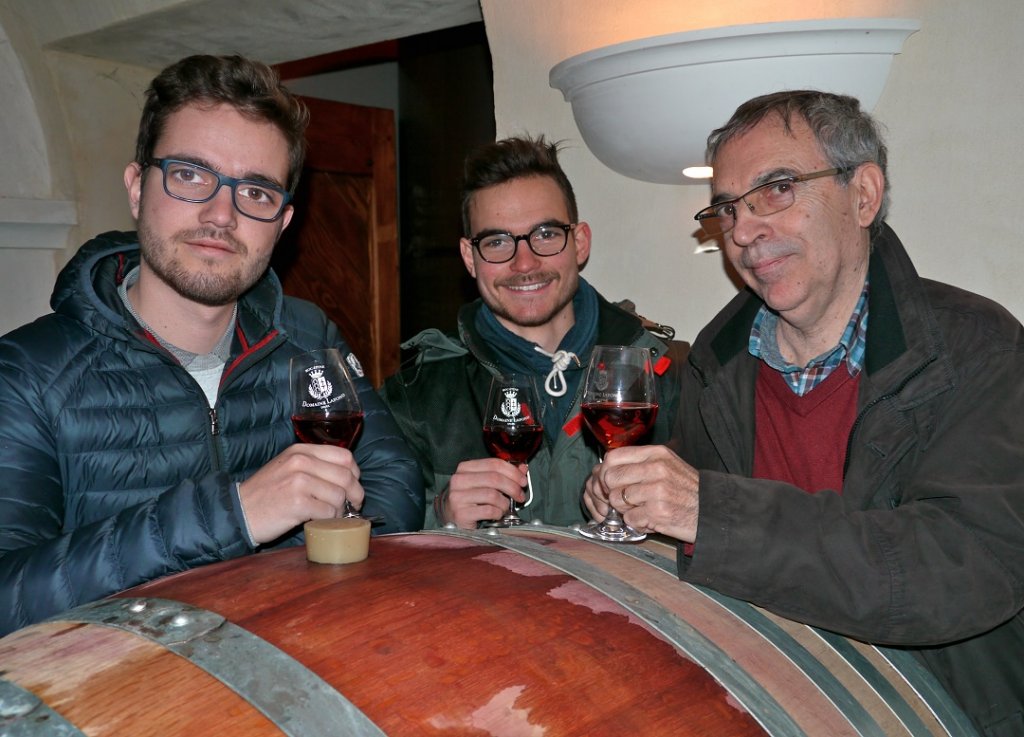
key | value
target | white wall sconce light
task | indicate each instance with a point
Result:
(646, 107)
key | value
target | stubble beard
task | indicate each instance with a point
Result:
(205, 288)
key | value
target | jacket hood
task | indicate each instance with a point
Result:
(86, 288)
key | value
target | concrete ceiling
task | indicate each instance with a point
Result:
(154, 33)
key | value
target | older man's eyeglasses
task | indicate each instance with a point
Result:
(190, 182)
(544, 240)
(764, 199)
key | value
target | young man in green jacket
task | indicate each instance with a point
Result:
(535, 315)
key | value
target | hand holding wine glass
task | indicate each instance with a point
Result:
(325, 406)
(619, 407)
(512, 428)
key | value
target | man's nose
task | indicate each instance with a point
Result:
(749, 225)
(525, 259)
(220, 209)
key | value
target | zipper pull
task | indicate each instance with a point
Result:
(214, 427)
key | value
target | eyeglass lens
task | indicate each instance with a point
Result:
(767, 199)
(545, 240)
(195, 183)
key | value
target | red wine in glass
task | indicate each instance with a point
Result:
(618, 424)
(619, 406)
(512, 429)
(513, 445)
(325, 404)
(329, 428)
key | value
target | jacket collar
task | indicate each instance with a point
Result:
(86, 290)
(615, 326)
(903, 336)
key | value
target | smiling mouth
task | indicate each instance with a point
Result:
(532, 283)
(768, 264)
(527, 287)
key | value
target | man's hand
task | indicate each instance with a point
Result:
(304, 482)
(480, 490)
(654, 489)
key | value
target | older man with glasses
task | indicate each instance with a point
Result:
(145, 425)
(524, 244)
(848, 447)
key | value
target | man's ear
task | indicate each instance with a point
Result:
(869, 184)
(581, 237)
(286, 217)
(133, 183)
(466, 248)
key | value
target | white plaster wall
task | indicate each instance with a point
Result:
(25, 275)
(66, 132)
(951, 107)
(101, 103)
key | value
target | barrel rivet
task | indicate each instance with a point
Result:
(181, 620)
(16, 709)
(137, 606)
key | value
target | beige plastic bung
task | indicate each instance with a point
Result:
(338, 540)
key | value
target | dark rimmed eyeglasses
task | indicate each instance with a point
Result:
(189, 182)
(764, 199)
(544, 240)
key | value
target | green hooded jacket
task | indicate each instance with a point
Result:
(437, 398)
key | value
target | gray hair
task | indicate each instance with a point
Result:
(848, 136)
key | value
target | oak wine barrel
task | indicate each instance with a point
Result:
(529, 632)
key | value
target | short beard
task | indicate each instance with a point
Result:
(533, 322)
(204, 288)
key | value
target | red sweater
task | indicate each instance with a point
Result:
(802, 440)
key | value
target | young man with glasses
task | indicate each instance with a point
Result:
(524, 245)
(145, 425)
(849, 442)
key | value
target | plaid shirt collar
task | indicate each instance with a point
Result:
(802, 379)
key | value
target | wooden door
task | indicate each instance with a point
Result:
(341, 250)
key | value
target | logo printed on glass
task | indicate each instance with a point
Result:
(512, 412)
(319, 388)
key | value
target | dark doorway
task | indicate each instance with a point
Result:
(446, 92)
(445, 109)
(341, 249)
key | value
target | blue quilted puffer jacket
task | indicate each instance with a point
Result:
(113, 468)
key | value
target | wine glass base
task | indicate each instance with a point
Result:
(613, 533)
(506, 522)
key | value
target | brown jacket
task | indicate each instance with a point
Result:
(924, 548)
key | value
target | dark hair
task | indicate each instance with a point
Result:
(513, 158)
(847, 135)
(251, 87)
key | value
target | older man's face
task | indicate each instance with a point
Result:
(808, 262)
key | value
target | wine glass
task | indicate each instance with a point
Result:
(513, 430)
(325, 406)
(619, 407)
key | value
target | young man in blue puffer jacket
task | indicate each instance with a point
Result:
(144, 426)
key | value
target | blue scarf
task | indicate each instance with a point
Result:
(517, 354)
